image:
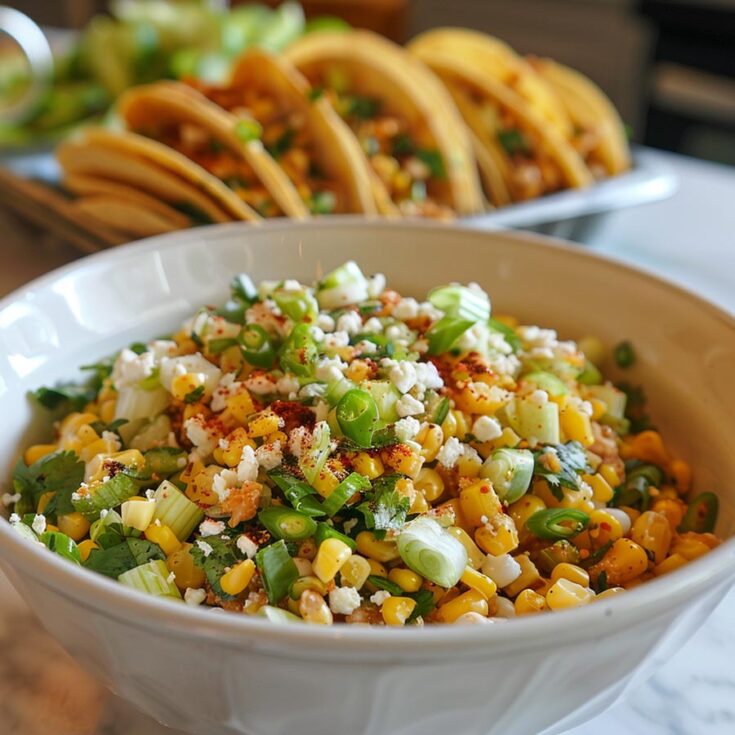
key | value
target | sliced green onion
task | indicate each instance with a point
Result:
(701, 515)
(218, 346)
(62, 545)
(357, 415)
(510, 471)
(352, 484)
(590, 375)
(152, 579)
(634, 491)
(443, 334)
(549, 382)
(107, 495)
(243, 289)
(277, 570)
(441, 411)
(286, 523)
(312, 460)
(624, 354)
(558, 553)
(277, 615)
(299, 352)
(298, 493)
(296, 305)
(385, 584)
(256, 346)
(386, 396)
(343, 286)
(108, 531)
(557, 523)
(461, 302)
(164, 461)
(325, 531)
(432, 552)
(175, 510)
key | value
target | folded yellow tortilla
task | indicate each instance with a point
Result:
(124, 216)
(419, 148)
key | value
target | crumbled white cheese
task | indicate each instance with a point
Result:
(261, 384)
(14, 519)
(130, 368)
(427, 377)
(379, 597)
(350, 322)
(39, 523)
(205, 547)
(227, 386)
(474, 339)
(325, 323)
(504, 608)
(170, 367)
(113, 439)
(336, 340)
(502, 569)
(376, 285)
(420, 345)
(539, 397)
(406, 309)
(210, 527)
(202, 435)
(406, 428)
(162, 348)
(372, 326)
(313, 390)
(150, 494)
(269, 455)
(486, 428)
(247, 469)
(349, 524)
(299, 440)
(344, 600)
(321, 410)
(317, 333)
(171, 579)
(194, 597)
(288, 385)
(366, 347)
(450, 453)
(328, 369)
(246, 546)
(223, 482)
(407, 405)
(268, 316)
(428, 309)
(403, 375)
(9, 499)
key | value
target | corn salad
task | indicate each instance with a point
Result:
(342, 454)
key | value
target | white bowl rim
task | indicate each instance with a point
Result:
(133, 608)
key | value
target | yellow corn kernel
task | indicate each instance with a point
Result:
(330, 556)
(604, 527)
(430, 484)
(240, 406)
(478, 581)
(648, 446)
(181, 563)
(667, 492)
(418, 504)
(470, 601)
(632, 513)
(377, 569)
(401, 458)
(469, 465)
(86, 547)
(669, 564)
(672, 509)
(74, 525)
(682, 474)
(44, 500)
(107, 410)
(523, 509)
(580, 498)
(230, 453)
(451, 510)
(576, 425)
(507, 439)
(358, 371)
(100, 446)
(164, 537)
(498, 536)
(479, 502)
(183, 385)
(314, 609)
(431, 438)
(571, 572)
(609, 473)
(609, 592)
(593, 349)
(406, 579)
(368, 465)
(238, 578)
(480, 398)
(38, 451)
(474, 555)
(325, 482)
(599, 408)
(71, 424)
(199, 490)
(87, 435)
(138, 512)
(529, 576)
(689, 548)
(564, 594)
(653, 532)
(528, 602)
(231, 360)
(356, 570)
(382, 551)
(303, 565)
(397, 610)
(263, 423)
(625, 561)
(601, 490)
(309, 582)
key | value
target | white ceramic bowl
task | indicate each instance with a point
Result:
(219, 673)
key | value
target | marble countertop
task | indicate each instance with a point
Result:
(690, 239)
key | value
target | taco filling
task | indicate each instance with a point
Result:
(203, 148)
(287, 138)
(410, 169)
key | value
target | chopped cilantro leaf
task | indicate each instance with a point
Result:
(223, 554)
(115, 560)
(385, 508)
(194, 395)
(60, 473)
(572, 460)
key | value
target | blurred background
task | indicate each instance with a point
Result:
(668, 65)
